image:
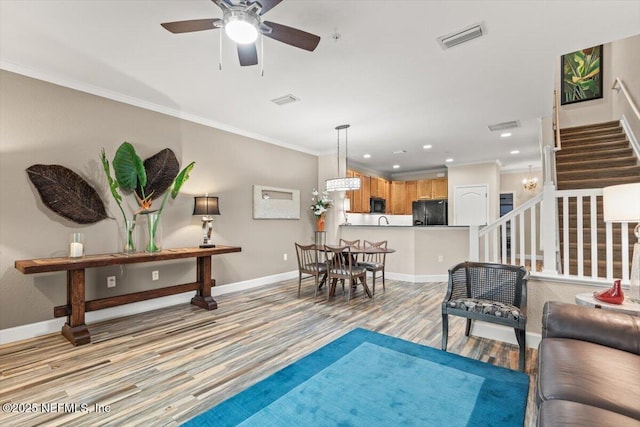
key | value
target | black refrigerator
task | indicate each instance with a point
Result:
(430, 212)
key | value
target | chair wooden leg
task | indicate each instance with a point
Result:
(316, 283)
(467, 330)
(445, 330)
(383, 287)
(373, 286)
(299, 283)
(521, 337)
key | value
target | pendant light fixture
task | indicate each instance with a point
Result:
(343, 183)
(530, 182)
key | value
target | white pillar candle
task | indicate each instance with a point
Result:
(75, 249)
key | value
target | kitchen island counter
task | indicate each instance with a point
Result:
(423, 253)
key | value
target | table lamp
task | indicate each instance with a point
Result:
(206, 206)
(622, 204)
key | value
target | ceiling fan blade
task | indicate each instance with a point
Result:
(292, 36)
(248, 54)
(267, 5)
(192, 25)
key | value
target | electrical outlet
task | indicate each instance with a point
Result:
(284, 257)
(440, 258)
(111, 281)
(155, 275)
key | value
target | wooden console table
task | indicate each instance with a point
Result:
(75, 329)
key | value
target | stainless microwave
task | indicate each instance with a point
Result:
(377, 205)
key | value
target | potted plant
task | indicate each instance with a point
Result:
(146, 180)
(320, 203)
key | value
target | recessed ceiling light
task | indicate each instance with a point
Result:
(449, 160)
(396, 166)
(505, 134)
(427, 147)
(515, 152)
(367, 156)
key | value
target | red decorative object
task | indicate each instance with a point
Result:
(613, 295)
(320, 221)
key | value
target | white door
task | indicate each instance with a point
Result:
(471, 205)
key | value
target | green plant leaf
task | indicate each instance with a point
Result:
(113, 184)
(182, 177)
(129, 168)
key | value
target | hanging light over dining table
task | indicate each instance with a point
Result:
(343, 183)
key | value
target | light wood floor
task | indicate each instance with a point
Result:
(166, 366)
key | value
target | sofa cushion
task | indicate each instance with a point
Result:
(562, 413)
(589, 373)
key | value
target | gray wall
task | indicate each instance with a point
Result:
(45, 123)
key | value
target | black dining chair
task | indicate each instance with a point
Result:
(340, 266)
(374, 262)
(494, 293)
(309, 263)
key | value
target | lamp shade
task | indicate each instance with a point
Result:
(622, 203)
(206, 205)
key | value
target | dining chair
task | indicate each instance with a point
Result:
(374, 262)
(308, 263)
(343, 242)
(341, 266)
(494, 293)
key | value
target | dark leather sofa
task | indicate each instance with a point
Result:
(588, 367)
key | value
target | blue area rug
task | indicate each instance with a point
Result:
(368, 379)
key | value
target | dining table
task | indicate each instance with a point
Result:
(354, 250)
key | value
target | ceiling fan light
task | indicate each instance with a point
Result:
(241, 29)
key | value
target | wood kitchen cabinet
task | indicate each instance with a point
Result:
(398, 197)
(360, 198)
(424, 188)
(440, 188)
(365, 192)
(433, 188)
(411, 194)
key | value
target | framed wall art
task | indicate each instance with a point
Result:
(581, 73)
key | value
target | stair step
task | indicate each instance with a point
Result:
(598, 163)
(620, 171)
(580, 139)
(592, 127)
(598, 183)
(597, 145)
(571, 156)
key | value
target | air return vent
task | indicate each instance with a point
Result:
(504, 125)
(461, 36)
(287, 99)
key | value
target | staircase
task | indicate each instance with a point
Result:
(594, 156)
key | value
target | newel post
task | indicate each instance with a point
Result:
(548, 228)
(474, 243)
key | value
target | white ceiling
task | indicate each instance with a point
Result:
(386, 75)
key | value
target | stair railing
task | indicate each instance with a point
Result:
(619, 84)
(556, 120)
(506, 240)
(514, 238)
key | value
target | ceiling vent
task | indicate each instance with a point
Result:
(287, 99)
(504, 126)
(461, 36)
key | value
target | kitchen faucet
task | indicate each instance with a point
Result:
(385, 218)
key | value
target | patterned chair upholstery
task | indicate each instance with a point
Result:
(494, 293)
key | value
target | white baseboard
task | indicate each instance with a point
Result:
(502, 333)
(417, 279)
(33, 330)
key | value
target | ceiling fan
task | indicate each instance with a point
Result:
(242, 21)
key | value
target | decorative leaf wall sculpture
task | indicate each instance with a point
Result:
(162, 168)
(67, 193)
